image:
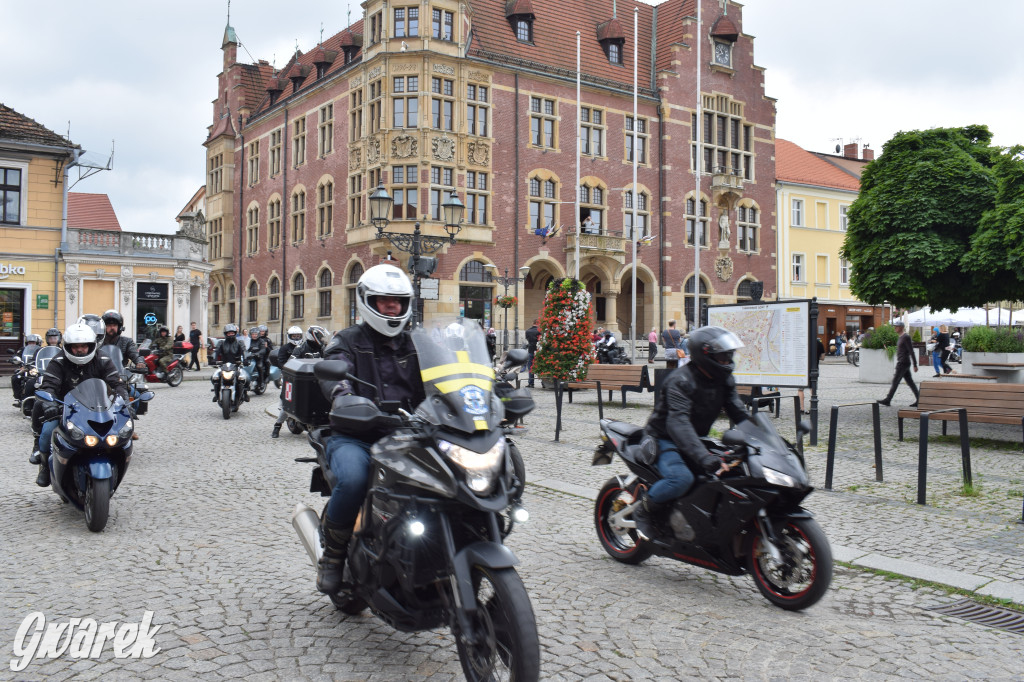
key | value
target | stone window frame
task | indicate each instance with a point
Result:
(643, 134)
(274, 220)
(542, 191)
(643, 212)
(478, 195)
(442, 103)
(298, 295)
(297, 203)
(252, 229)
(410, 103)
(690, 217)
(324, 291)
(253, 168)
(325, 207)
(728, 138)
(275, 151)
(543, 114)
(299, 142)
(748, 227)
(325, 132)
(409, 186)
(589, 126)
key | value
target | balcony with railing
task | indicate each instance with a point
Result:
(598, 244)
(144, 244)
(726, 180)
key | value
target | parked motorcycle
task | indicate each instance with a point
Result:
(33, 376)
(91, 448)
(174, 374)
(611, 355)
(427, 548)
(749, 520)
(231, 385)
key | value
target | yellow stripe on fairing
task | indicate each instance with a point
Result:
(455, 384)
(480, 425)
(432, 373)
(462, 356)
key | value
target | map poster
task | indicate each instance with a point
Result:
(777, 341)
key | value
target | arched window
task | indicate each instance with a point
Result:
(743, 290)
(325, 209)
(748, 227)
(252, 230)
(216, 305)
(543, 204)
(705, 298)
(253, 303)
(299, 216)
(326, 279)
(274, 287)
(298, 297)
(274, 223)
(592, 208)
(353, 278)
(476, 292)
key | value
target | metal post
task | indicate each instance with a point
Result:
(922, 459)
(876, 424)
(965, 446)
(558, 408)
(830, 462)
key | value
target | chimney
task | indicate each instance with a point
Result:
(850, 150)
(869, 154)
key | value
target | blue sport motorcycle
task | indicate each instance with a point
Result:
(91, 448)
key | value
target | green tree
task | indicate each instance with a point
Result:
(996, 258)
(564, 349)
(919, 206)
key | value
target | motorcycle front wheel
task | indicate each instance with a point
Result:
(175, 376)
(518, 469)
(505, 644)
(622, 544)
(97, 503)
(805, 573)
(225, 402)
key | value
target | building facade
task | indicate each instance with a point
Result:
(480, 97)
(814, 194)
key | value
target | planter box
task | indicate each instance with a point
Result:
(1003, 376)
(875, 366)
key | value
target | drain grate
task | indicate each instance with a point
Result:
(992, 616)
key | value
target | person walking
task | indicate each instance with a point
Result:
(904, 358)
(179, 335)
(652, 345)
(941, 353)
(674, 347)
(532, 337)
(195, 337)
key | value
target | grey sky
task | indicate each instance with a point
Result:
(143, 73)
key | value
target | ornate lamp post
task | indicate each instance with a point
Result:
(421, 264)
(505, 281)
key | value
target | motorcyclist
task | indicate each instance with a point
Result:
(95, 323)
(18, 378)
(53, 336)
(230, 350)
(379, 351)
(163, 344)
(78, 363)
(113, 325)
(607, 348)
(688, 402)
(284, 353)
(260, 349)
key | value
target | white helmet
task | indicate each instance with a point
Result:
(455, 336)
(295, 334)
(384, 280)
(79, 333)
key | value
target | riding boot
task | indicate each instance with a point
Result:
(647, 517)
(36, 457)
(43, 479)
(331, 568)
(276, 432)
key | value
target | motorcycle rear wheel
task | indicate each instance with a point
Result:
(348, 604)
(175, 376)
(97, 503)
(621, 544)
(294, 426)
(507, 647)
(225, 402)
(806, 572)
(260, 388)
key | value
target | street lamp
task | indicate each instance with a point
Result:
(421, 264)
(505, 281)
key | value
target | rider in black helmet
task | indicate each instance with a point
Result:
(688, 402)
(113, 325)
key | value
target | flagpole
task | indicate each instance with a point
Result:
(699, 151)
(576, 189)
(636, 192)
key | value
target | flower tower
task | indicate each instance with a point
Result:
(564, 349)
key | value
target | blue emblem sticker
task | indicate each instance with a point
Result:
(150, 318)
(473, 401)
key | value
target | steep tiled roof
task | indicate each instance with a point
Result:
(20, 128)
(724, 28)
(671, 30)
(852, 166)
(795, 164)
(254, 81)
(91, 212)
(554, 38)
(611, 30)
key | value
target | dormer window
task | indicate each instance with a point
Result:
(614, 52)
(524, 30)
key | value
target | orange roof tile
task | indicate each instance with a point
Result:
(91, 212)
(795, 164)
(20, 128)
(724, 28)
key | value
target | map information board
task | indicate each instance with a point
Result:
(776, 338)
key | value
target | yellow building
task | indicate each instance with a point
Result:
(814, 192)
(33, 188)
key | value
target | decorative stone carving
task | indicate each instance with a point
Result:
(404, 68)
(723, 231)
(181, 290)
(355, 158)
(193, 226)
(153, 274)
(479, 76)
(126, 272)
(375, 72)
(404, 146)
(356, 82)
(127, 283)
(373, 151)
(444, 148)
(479, 153)
(71, 269)
(445, 69)
(100, 272)
(723, 268)
(71, 283)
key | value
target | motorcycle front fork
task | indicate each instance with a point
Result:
(462, 591)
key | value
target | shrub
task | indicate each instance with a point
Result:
(989, 340)
(885, 337)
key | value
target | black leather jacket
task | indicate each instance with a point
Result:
(129, 351)
(284, 353)
(308, 350)
(686, 406)
(261, 347)
(62, 375)
(230, 350)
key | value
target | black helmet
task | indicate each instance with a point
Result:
(162, 329)
(316, 336)
(113, 317)
(31, 339)
(53, 331)
(711, 350)
(231, 329)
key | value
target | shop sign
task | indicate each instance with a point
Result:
(861, 311)
(42, 301)
(6, 270)
(152, 291)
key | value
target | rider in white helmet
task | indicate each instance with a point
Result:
(381, 353)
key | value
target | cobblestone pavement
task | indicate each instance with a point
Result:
(199, 535)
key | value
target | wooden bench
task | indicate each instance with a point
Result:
(966, 377)
(632, 378)
(772, 398)
(985, 403)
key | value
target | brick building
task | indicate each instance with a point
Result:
(480, 97)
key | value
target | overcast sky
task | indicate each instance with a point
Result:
(143, 74)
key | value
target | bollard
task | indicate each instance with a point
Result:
(876, 422)
(922, 458)
(965, 447)
(558, 408)
(600, 402)
(833, 423)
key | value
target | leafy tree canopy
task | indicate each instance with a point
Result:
(996, 256)
(914, 223)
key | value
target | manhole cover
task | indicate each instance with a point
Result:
(992, 616)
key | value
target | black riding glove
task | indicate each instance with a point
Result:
(51, 411)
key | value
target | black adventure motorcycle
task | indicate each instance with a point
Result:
(427, 547)
(749, 520)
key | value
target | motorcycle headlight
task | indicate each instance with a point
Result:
(75, 432)
(111, 440)
(33, 372)
(481, 468)
(778, 478)
(126, 430)
(91, 441)
(227, 375)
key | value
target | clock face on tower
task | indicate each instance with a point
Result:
(723, 54)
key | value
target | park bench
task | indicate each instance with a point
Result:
(985, 403)
(1007, 372)
(966, 377)
(611, 378)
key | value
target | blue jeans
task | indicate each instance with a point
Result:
(937, 361)
(46, 435)
(676, 477)
(350, 462)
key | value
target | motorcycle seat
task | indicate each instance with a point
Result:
(631, 433)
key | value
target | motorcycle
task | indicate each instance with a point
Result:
(252, 368)
(174, 374)
(132, 379)
(275, 372)
(748, 520)
(611, 355)
(427, 549)
(24, 361)
(91, 448)
(231, 383)
(34, 377)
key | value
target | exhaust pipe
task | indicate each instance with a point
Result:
(306, 523)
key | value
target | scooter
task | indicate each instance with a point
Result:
(748, 520)
(174, 374)
(230, 387)
(91, 448)
(427, 551)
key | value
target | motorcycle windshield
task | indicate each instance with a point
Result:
(759, 428)
(44, 356)
(29, 352)
(94, 395)
(456, 371)
(114, 353)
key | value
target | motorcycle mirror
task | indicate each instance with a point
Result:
(803, 427)
(331, 370)
(11, 351)
(516, 356)
(147, 395)
(46, 395)
(734, 438)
